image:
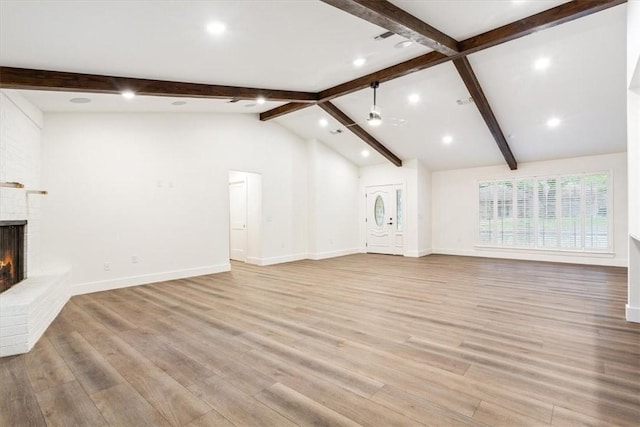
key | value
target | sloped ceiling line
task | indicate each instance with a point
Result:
(561, 14)
(471, 82)
(392, 18)
(356, 129)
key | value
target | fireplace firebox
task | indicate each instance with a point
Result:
(12, 253)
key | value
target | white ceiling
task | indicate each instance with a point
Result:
(307, 45)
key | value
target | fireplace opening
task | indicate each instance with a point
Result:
(12, 262)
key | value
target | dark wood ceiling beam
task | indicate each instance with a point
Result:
(549, 18)
(283, 109)
(471, 82)
(402, 69)
(22, 78)
(389, 16)
(347, 122)
(407, 67)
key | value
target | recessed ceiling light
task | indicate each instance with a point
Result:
(128, 94)
(365, 153)
(542, 63)
(403, 44)
(553, 122)
(216, 28)
(260, 101)
(323, 122)
(178, 102)
(80, 100)
(359, 62)
(447, 139)
(414, 98)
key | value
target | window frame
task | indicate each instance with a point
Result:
(558, 248)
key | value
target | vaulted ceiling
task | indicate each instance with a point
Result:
(303, 52)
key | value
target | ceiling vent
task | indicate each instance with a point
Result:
(383, 36)
(233, 101)
(465, 101)
(335, 132)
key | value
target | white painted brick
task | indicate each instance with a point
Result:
(20, 151)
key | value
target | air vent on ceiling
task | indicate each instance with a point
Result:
(335, 132)
(383, 36)
(465, 101)
(233, 101)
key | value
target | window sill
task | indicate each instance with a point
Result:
(550, 251)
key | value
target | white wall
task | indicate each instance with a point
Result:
(415, 177)
(155, 186)
(454, 208)
(633, 153)
(424, 210)
(333, 203)
(633, 114)
(20, 147)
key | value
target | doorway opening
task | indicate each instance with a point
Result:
(245, 217)
(385, 219)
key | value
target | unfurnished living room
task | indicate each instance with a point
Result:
(319, 212)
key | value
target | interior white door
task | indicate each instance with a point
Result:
(385, 219)
(238, 221)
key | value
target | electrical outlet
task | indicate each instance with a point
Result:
(107, 266)
(135, 259)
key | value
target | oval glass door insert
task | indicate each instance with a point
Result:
(378, 211)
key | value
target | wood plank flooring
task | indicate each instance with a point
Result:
(368, 340)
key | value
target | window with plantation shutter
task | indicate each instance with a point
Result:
(524, 213)
(596, 211)
(547, 220)
(570, 212)
(486, 213)
(504, 213)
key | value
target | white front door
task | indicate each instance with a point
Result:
(385, 218)
(238, 220)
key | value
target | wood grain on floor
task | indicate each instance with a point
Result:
(358, 340)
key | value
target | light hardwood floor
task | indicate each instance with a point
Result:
(359, 340)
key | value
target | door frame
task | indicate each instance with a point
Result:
(253, 186)
(398, 249)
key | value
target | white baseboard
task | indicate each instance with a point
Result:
(531, 255)
(278, 259)
(124, 282)
(253, 260)
(633, 314)
(418, 254)
(333, 254)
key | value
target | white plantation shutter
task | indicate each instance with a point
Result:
(524, 213)
(596, 211)
(486, 213)
(504, 213)
(547, 218)
(571, 212)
